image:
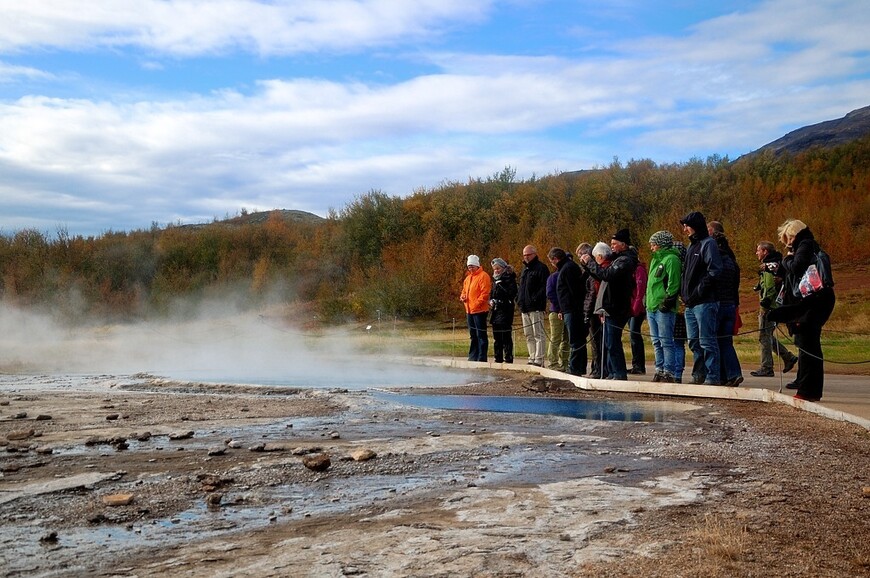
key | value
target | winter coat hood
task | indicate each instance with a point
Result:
(697, 221)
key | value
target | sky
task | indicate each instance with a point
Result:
(118, 115)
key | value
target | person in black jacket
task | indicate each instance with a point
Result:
(501, 306)
(571, 292)
(614, 300)
(532, 300)
(804, 316)
(728, 292)
(698, 291)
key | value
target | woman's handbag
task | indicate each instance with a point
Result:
(816, 277)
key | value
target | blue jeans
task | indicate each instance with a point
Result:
(661, 328)
(701, 325)
(730, 365)
(479, 342)
(614, 362)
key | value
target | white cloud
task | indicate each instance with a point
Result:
(727, 84)
(198, 27)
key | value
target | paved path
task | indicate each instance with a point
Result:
(846, 393)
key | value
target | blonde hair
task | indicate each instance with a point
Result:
(789, 229)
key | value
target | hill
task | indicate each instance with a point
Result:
(829, 133)
(260, 217)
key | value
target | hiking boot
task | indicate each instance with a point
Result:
(762, 373)
(788, 364)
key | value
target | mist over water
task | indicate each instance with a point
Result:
(215, 345)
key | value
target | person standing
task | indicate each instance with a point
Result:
(680, 336)
(728, 292)
(601, 254)
(571, 292)
(614, 300)
(698, 291)
(532, 300)
(662, 291)
(768, 288)
(475, 295)
(559, 349)
(804, 316)
(635, 323)
(501, 302)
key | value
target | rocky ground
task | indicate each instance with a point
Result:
(137, 476)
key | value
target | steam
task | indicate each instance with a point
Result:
(218, 344)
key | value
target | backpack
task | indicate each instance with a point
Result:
(639, 294)
(818, 276)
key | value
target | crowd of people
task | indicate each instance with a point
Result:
(688, 294)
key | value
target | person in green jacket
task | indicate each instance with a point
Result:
(662, 290)
(768, 288)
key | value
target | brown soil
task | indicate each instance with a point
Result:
(724, 489)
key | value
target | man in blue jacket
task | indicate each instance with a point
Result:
(698, 291)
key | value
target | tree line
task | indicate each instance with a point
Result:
(405, 256)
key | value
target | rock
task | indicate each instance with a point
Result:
(50, 538)
(363, 455)
(181, 435)
(20, 415)
(44, 450)
(141, 437)
(43, 417)
(217, 451)
(112, 417)
(317, 463)
(335, 435)
(214, 499)
(866, 491)
(258, 448)
(4, 402)
(234, 444)
(21, 434)
(118, 499)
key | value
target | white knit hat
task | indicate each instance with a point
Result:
(473, 260)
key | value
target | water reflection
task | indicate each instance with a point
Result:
(634, 411)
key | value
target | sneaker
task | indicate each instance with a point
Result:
(734, 382)
(536, 364)
(637, 371)
(762, 373)
(791, 385)
(697, 380)
(658, 377)
(788, 364)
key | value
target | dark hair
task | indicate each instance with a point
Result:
(556, 254)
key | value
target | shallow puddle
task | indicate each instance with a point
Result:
(635, 411)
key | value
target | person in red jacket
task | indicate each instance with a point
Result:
(475, 295)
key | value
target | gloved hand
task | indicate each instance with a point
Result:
(668, 304)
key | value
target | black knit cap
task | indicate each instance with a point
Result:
(622, 235)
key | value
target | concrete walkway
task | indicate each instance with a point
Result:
(846, 398)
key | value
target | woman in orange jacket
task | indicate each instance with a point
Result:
(475, 296)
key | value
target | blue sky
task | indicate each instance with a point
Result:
(116, 114)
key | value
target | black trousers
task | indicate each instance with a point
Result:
(503, 342)
(811, 365)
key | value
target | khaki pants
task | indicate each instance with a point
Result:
(536, 338)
